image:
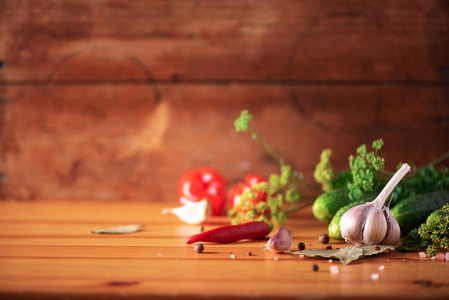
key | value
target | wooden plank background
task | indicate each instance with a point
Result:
(113, 100)
(47, 252)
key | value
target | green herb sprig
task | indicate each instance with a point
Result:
(282, 190)
(433, 236)
(366, 173)
(363, 173)
(363, 167)
(436, 233)
(324, 173)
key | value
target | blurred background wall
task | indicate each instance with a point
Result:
(114, 100)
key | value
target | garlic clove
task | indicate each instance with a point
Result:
(393, 234)
(193, 213)
(352, 224)
(375, 227)
(280, 241)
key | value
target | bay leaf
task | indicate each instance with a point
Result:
(119, 230)
(345, 255)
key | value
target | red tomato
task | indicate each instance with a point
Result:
(249, 181)
(203, 183)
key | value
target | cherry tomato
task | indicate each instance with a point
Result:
(203, 183)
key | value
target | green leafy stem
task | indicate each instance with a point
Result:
(432, 235)
(364, 175)
(282, 189)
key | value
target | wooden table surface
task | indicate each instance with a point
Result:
(47, 251)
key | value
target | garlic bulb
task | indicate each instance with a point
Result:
(193, 213)
(371, 223)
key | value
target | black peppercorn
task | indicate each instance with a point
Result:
(301, 246)
(315, 267)
(199, 248)
(329, 247)
(324, 238)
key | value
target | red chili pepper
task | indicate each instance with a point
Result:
(232, 233)
(249, 181)
(203, 183)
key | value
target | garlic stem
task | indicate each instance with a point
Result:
(382, 197)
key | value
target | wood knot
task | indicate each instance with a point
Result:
(428, 284)
(122, 283)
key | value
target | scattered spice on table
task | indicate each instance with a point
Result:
(301, 246)
(199, 248)
(324, 238)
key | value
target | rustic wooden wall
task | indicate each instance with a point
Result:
(113, 100)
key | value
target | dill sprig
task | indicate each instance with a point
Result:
(436, 233)
(282, 190)
(362, 176)
(433, 236)
(324, 173)
(363, 167)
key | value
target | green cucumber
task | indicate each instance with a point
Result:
(334, 225)
(432, 216)
(327, 204)
(413, 211)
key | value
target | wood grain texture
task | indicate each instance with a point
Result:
(48, 252)
(120, 143)
(225, 40)
(113, 100)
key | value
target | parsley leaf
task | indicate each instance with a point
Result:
(412, 242)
